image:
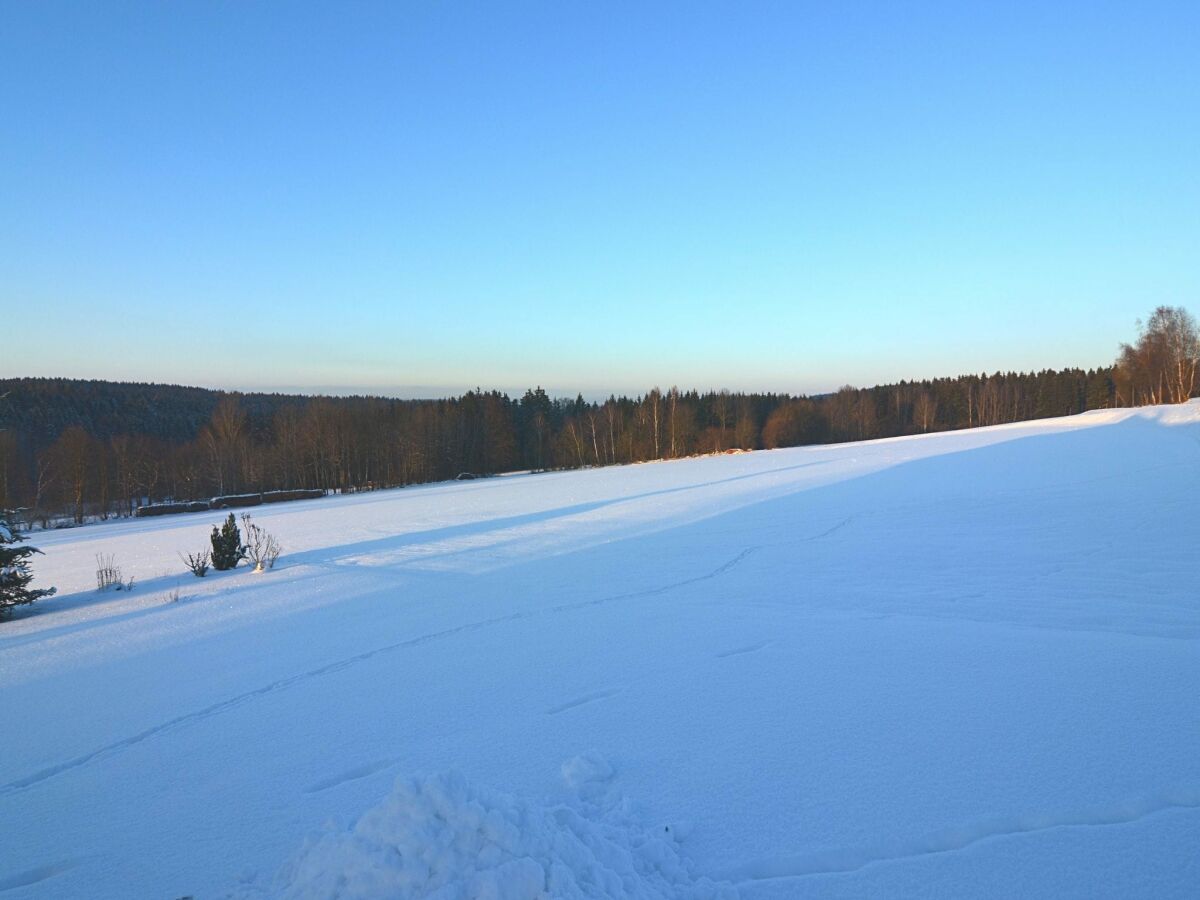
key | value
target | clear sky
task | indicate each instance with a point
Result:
(590, 196)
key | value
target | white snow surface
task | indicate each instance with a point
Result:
(955, 665)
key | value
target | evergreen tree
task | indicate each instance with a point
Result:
(227, 548)
(15, 573)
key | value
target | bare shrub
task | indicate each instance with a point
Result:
(108, 574)
(197, 563)
(262, 549)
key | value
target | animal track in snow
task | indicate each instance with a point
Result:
(738, 651)
(35, 778)
(363, 771)
(582, 701)
(850, 859)
(41, 873)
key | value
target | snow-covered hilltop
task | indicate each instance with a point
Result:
(962, 664)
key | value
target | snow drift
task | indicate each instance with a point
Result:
(440, 837)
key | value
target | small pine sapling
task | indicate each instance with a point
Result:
(15, 572)
(227, 547)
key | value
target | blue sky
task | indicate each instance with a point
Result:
(424, 197)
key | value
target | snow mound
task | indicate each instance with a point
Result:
(441, 837)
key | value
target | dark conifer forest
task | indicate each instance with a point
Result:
(74, 450)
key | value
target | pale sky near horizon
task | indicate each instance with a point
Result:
(591, 197)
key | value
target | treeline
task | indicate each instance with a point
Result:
(73, 450)
(1161, 366)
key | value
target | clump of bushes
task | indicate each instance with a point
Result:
(260, 549)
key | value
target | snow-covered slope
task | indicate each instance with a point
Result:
(954, 665)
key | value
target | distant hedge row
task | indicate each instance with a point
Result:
(227, 502)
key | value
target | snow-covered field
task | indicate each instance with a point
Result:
(958, 665)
